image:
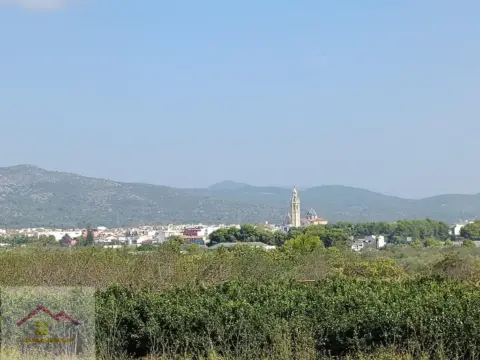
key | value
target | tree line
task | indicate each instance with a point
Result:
(46, 240)
(399, 231)
(21, 239)
(340, 233)
(312, 236)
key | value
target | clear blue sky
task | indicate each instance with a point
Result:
(376, 94)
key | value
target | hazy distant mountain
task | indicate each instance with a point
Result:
(31, 196)
(227, 185)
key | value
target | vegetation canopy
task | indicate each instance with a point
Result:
(298, 302)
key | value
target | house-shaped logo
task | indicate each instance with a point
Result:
(41, 328)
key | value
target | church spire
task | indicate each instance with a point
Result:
(295, 208)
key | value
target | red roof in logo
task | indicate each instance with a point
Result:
(57, 317)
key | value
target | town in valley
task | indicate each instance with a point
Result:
(193, 234)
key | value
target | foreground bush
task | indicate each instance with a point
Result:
(290, 320)
(248, 304)
(164, 269)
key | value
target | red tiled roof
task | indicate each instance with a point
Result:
(314, 220)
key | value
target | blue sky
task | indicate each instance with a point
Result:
(375, 94)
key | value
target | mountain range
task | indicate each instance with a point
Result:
(34, 197)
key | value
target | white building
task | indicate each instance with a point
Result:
(144, 238)
(163, 235)
(59, 234)
(381, 243)
(455, 229)
(357, 245)
(211, 229)
(377, 240)
(371, 242)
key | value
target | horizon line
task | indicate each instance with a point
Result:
(300, 188)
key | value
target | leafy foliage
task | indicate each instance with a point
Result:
(468, 243)
(19, 240)
(395, 231)
(471, 231)
(246, 303)
(304, 243)
(336, 317)
(310, 234)
(247, 233)
(89, 239)
(424, 232)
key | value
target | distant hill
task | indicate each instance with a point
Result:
(227, 185)
(31, 196)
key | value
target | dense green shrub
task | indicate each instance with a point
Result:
(247, 303)
(336, 317)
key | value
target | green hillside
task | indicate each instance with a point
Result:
(31, 196)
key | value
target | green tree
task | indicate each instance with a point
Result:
(180, 240)
(194, 249)
(44, 240)
(90, 238)
(471, 231)
(468, 243)
(66, 237)
(146, 247)
(336, 238)
(247, 233)
(304, 243)
(17, 240)
(329, 236)
(81, 241)
(224, 235)
(279, 238)
(293, 233)
(173, 243)
(416, 244)
(318, 230)
(431, 242)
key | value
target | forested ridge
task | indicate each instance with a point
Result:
(34, 197)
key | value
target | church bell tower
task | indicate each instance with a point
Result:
(295, 209)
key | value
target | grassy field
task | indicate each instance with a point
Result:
(244, 303)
